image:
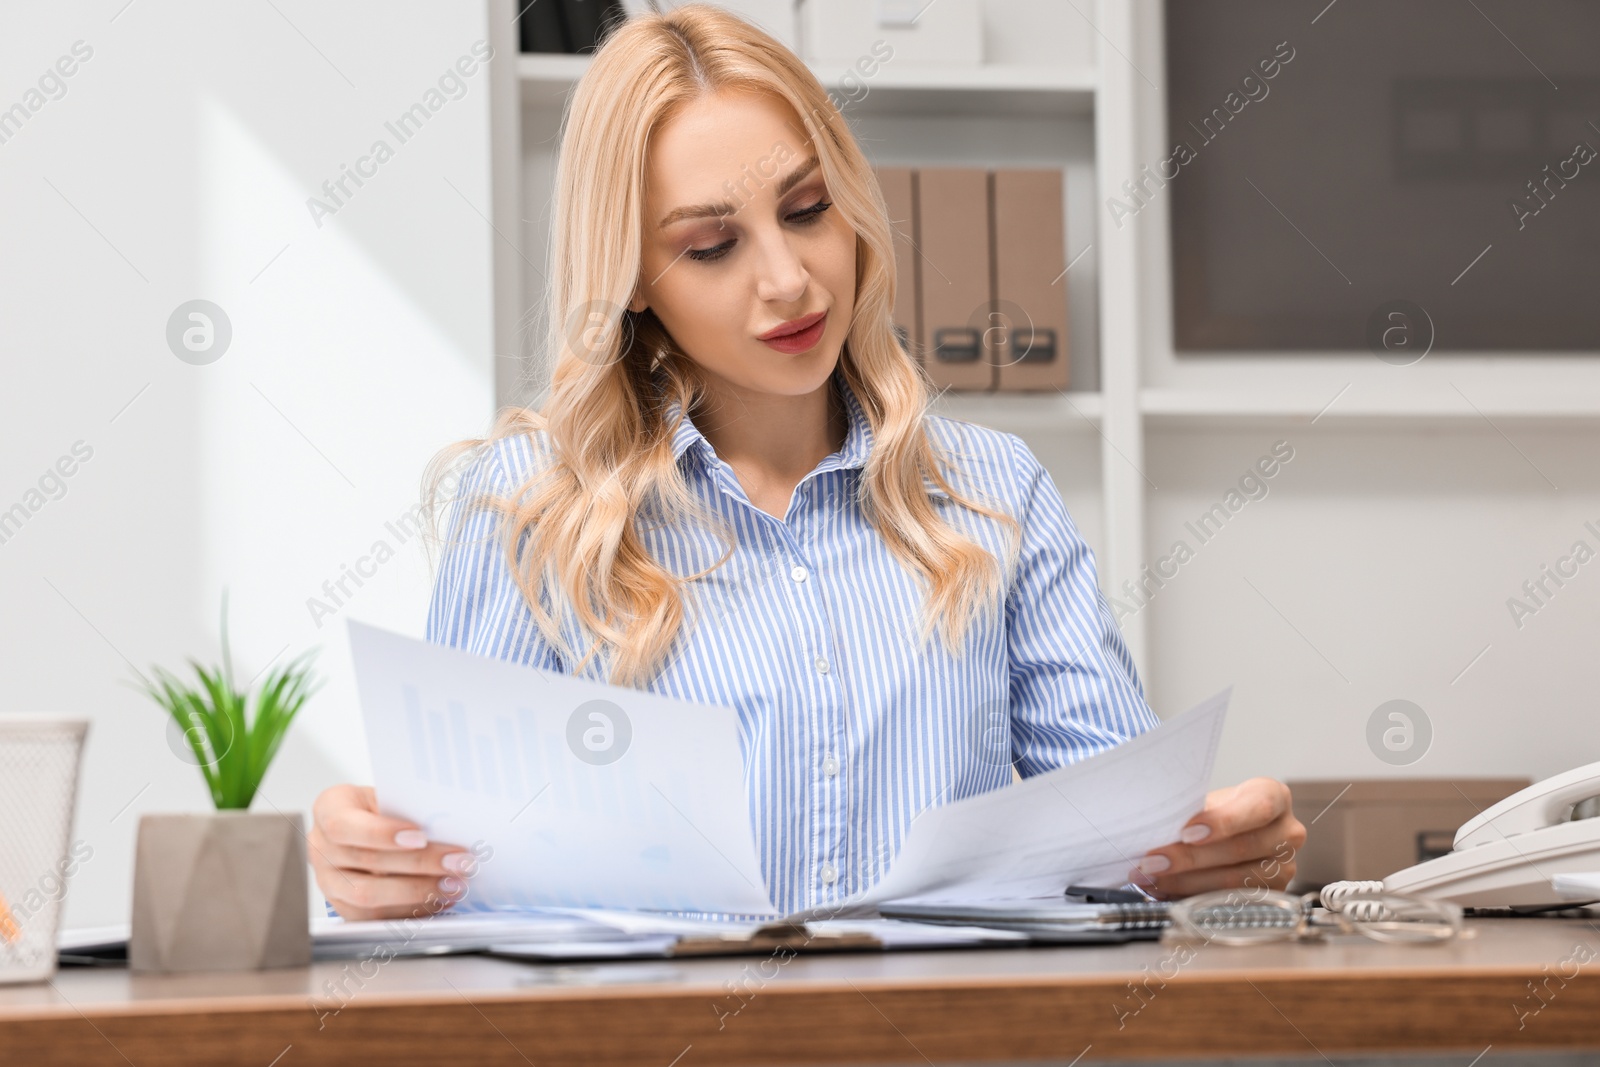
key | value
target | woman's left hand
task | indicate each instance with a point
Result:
(1247, 835)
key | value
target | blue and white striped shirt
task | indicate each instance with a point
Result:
(809, 632)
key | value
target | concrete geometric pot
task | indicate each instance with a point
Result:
(219, 892)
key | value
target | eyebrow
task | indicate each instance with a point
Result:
(792, 179)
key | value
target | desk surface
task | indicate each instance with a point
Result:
(1520, 984)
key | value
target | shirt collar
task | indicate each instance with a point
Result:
(852, 455)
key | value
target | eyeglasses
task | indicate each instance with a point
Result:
(1253, 917)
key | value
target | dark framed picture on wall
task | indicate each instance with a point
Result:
(1331, 175)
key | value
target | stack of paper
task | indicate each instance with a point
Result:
(590, 933)
(336, 938)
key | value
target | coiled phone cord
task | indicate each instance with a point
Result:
(1335, 897)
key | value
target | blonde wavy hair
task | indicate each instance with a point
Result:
(571, 528)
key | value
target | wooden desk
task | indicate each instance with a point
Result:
(1135, 1000)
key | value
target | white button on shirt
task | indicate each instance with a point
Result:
(828, 874)
(1047, 680)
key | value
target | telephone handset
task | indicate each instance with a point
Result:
(1506, 856)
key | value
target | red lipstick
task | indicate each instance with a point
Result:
(798, 335)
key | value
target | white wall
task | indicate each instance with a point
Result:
(178, 165)
(1378, 568)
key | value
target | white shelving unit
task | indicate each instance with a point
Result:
(1014, 89)
(1019, 412)
(1191, 408)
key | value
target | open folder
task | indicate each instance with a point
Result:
(582, 934)
(578, 794)
(564, 934)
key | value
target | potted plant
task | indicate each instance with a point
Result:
(224, 890)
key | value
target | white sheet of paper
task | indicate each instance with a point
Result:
(1082, 824)
(452, 928)
(479, 750)
(475, 749)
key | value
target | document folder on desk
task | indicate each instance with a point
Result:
(513, 763)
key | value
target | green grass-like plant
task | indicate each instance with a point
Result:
(233, 749)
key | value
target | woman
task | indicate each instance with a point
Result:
(734, 494)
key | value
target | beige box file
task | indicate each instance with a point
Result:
(900, 197)
(953, 230)
(1030, 265)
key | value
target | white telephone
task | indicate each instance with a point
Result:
(1506, 856)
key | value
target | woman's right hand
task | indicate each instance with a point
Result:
(371, 866)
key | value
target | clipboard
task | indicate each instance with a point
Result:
(778, 935)
(768, 938)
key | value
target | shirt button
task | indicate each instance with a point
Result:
(798, 574)
(828, 874)
(830, 766)
(822, 665)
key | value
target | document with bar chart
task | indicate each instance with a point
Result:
(573, 792)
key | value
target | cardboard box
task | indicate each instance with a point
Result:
(1368, 829)
(777, 17)
(946, 33)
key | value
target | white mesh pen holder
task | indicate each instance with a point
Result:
(38, 785)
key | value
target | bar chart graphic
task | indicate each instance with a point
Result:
(485, 754)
